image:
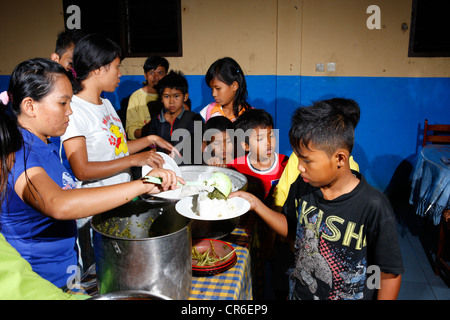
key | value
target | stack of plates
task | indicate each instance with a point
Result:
(222, 249)
(169, 164)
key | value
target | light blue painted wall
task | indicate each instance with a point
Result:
(392, 111)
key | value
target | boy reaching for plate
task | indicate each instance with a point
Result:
(344, 229)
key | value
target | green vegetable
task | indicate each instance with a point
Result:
(209, 257)
(216, 194)
(220, 181)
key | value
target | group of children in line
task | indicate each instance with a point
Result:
(338, 223)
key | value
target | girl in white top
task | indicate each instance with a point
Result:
(95, 141)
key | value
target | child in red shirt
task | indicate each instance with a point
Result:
(263, 167)
(261, 164)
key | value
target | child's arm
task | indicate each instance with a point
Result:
(84, 169)
(135, 146)
(277, 221)
(389, 286)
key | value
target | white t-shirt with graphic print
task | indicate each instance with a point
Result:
(105, 136)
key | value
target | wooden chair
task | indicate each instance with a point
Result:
(439, 134)
(436, 133)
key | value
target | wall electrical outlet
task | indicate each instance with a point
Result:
(331, 67)
(320, 67)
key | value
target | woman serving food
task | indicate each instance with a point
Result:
(39, 212)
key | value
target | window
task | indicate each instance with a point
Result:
(430, 29)
(142, 27)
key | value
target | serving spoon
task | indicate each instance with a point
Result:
(220, 181)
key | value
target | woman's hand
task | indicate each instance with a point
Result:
(169, 180)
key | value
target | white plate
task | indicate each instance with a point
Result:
(184, 207)
(169, 164)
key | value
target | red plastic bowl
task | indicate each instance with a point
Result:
(222, 249)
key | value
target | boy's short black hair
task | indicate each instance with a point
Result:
(251, 120)
(154, 62)
(173, 80)
(327, 125)
(220, 123)
(66, 39)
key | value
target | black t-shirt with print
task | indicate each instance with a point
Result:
(340, 245)
(189, 140)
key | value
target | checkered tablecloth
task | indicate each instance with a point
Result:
(237, 283)
(233, 284)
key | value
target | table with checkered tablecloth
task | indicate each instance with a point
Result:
(241, 281)
(237, 283)
(233, 284)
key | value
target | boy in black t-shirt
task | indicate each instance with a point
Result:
(346, 244)
(177, 124)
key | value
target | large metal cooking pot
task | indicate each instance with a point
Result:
(143, 246)
(209, 229)
(130, 295)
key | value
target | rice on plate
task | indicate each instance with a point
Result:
(212, 208)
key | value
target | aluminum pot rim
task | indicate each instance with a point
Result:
(130, 293)
(187, 226)
(205, 168)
